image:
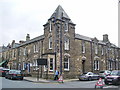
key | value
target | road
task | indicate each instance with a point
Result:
(6, 83)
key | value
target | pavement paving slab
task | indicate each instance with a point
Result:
(34, 79)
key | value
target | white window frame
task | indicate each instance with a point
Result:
(102, 51)
(24, 51)
(23, 67)
(96, 49)
(96, 64)
(35, 48)
(50, 42)
(66, 69)
(52, 64)
(83, 47)
(35, 66)
(67, 43)
(50, 26)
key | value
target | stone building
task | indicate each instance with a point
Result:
(70, 53)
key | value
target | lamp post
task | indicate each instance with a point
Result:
(60, 49)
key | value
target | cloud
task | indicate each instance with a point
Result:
(93, 18)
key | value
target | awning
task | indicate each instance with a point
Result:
(3, 62)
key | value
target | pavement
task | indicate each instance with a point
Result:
(41, 80)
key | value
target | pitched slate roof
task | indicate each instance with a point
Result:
(81, 37)
(59, 13)
(33, 40)
(78, 36)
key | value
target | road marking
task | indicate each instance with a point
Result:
(111, 86)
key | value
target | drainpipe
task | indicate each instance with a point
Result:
(91, 57)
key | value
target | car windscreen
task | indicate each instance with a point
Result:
(84, 73)
(102, 71)
(114, 73)
(14, 72)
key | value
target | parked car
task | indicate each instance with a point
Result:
(104, 73)
(114, 78)
(3, 71)
(89, 76)
(14, 74)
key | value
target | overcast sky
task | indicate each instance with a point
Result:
(93, 18)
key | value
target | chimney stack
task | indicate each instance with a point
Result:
(105, 38)
(21, 42)
(27, 37)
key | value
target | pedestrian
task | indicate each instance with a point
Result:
(56, 75)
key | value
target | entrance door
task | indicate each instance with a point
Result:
(83, 66)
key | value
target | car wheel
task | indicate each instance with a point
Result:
(95, 86)
(79, 79)
(101, 87)
(106, 83)
(6, 77)
(11, 78)
(89, 78)
(21, 79)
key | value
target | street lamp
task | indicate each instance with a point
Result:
(61, 49)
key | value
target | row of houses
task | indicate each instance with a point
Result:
(72, 54)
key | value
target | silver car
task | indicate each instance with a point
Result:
(89, 76)
(104, 73)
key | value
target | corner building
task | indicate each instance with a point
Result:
(70, 53)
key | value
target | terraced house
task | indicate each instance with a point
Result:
(70, 53)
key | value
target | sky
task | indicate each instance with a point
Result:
(93, 18)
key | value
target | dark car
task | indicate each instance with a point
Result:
(3, 71)
(113, 78)
(89, 76)
(14, 74)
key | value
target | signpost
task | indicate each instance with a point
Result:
(41, 61)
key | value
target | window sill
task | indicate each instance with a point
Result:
(67, 70)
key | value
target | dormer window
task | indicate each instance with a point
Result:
(66, 27)
(50, 42)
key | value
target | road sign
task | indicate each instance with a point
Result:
(42, 61)
(60, 79)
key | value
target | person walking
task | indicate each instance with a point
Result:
(56, 75)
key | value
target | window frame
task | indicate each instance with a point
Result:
(83, 47)
(96, 65)
(66, 27)
(50, 42)
(66, 43)
(68, 63)
(50, 64)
